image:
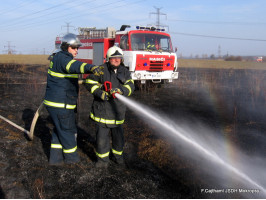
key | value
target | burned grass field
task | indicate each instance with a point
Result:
(229, 102)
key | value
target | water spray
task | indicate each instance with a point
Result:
(165, 124)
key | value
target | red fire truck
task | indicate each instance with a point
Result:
(148, 51)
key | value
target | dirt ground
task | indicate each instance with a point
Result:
(231, 102)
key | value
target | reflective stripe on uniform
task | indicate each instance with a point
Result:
(129, 88)
(59, 105)
(90, 81)
(117, 152)
(94, 88)
(82, 68)
(70, 150)
(102, 155)
(69, 65)
(60, 75)
(106, 121)
(130, 80)
(56, 146)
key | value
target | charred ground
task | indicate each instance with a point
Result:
(156, 166)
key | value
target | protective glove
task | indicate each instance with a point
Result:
(115, 90)
(105, 96)
(97, 70)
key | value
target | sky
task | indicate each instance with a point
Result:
(197, 27)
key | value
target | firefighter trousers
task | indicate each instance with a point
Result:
(103, 142)
(64, 136)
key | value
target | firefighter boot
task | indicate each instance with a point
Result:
(102, 164)
(72, 158)
(56, 157)
(120, 161)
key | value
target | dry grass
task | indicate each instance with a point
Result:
(187, 63)
(24, 59)
(220, 64)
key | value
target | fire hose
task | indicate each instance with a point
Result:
(15, 125)
(37, 114)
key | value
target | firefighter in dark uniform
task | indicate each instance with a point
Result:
(107, 111)
(60, 99)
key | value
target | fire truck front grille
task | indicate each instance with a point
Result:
(156, 66)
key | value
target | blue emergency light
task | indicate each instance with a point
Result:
(152, 28)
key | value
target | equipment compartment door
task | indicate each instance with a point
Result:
(97, 53)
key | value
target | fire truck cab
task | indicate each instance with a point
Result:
(148, 51)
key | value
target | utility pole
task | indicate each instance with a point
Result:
(9, 50)
(158, 14)
(67, 26)
(219, 51)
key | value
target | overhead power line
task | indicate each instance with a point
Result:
(219, 37)
(18, 6)
(75, 15)
(218, 22)
(22, 18)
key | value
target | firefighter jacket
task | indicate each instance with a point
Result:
(62, 80)
(109, 113)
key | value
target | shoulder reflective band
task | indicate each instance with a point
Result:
(106, 121)
(102, 155)
(70, 150)
(56, 146)
(51, 64)
(82, 68)
(117, 152)
(59, 75)
(59, 105)
(69, 65)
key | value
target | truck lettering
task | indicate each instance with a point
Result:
(87, 44)
(157, 59)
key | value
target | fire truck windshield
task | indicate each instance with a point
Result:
(150, 42)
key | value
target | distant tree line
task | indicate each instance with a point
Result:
(233, 58)
(225, 57)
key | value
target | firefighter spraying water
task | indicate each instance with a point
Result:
(107, 112)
